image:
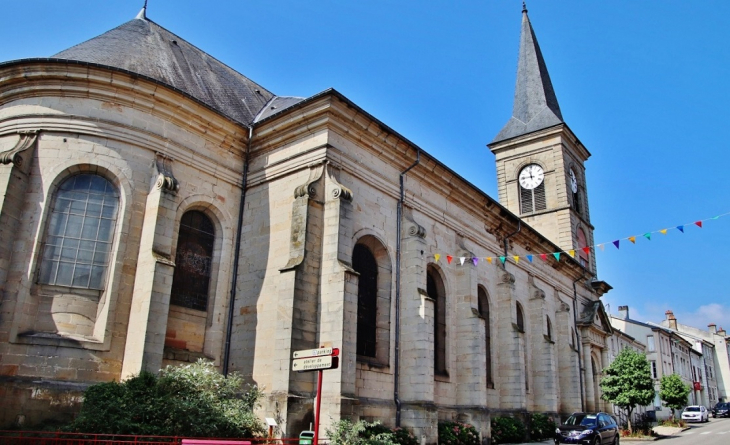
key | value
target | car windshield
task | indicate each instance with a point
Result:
(581, 419)
(692, 408)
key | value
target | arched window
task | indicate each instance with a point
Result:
(520, 317)
(80, 232)
(483, 303)
(548, 328)
(435, 290)
(364, 263)
(582, 242)
(191, 280)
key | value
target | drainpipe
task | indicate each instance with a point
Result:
(396, 377)
(506, 238)
(236, 257)
(577, 340)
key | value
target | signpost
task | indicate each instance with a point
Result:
(316, 360)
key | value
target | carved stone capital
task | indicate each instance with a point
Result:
(411, 227)
(507, 277)
(563, 307)
(308, 189)
(15, 154)
(537, 293)
(165, 179)
(338, 190)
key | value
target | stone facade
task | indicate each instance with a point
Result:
(301, 188)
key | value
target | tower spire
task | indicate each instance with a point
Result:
(142, 14)
(535, 104)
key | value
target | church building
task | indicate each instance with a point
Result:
(158, 207)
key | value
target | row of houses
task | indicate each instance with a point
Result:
(700, 357)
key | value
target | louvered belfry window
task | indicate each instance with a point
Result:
(532, 200)
(193, 261)
(364, 263)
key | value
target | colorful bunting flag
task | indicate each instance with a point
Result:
(557, 255)
(517, 259)
(663, 231)
(543, 256)
(648, 236)
(461, 260)
(529, 258)
(601, 246)
(615, 243)
(449, 258)
(571, 253)
(587, 249)
(632, 239)
(699, 224)
(436, 257)
(475, 260)
(503, 259)
(680, 228)
(489, 260)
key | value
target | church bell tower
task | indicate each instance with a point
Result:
(540, 162)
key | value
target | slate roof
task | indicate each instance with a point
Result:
(144, 47)
(535, 105)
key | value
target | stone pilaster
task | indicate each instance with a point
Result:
(543, 396)
(15, 166)
(510, 379)
(567, 362)
(338, 308)
(297, 306)
(153, 278)
(588, 376)
(416, 388)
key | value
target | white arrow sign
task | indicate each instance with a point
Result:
(312, 352)
(312, 363)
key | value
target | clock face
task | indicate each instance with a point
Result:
(531, 176)
(573, 181)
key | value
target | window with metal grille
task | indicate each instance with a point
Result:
(435, 290)
(364, 263)
(191, 280)
(532, 200)
(483, 307)
(80, 231)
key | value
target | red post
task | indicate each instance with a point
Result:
(316, 409)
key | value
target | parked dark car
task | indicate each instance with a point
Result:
(721, 410)
(588, 429)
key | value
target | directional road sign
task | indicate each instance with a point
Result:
(313, 363)
(312, 352)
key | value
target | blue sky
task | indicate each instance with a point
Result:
(644, 85)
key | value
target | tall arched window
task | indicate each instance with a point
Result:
(483, 303)
(520, 317)
(435, 290)
(364, 263)
(80, 233)
(193, 260)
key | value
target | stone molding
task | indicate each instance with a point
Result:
(412, 228)
(165, 179)
(302, 195)
(14, 155)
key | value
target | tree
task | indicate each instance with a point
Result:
(628, 382)
(674, 392)
(193, 400)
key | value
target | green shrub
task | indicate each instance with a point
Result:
(457, 433)
(542, 427)
(507, 430)
(345, 432)
(193, 400)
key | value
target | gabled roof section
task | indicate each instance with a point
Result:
(595, 314)
(144, 47)
(535, 106)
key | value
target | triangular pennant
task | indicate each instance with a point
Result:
(529, 258)
(699, 224)
(680, 228)
(557, 255)
(437, 256)
(449, 258)
(489, 260)
(475, 260)
(543, 256)
(647, 236)
(587, 250)
(571, 253)
(663, 231)
(461, 260)
(517, 259)
(601, 246)
(632, 239)
(503, 259)
(715, 217)
(615, 243)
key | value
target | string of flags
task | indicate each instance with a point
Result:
(572, 252)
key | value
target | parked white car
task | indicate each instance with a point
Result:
(695, 413)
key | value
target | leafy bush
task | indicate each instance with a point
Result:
(457, 433)
(193, 400)
(542, 427)
(507, 430)
(345, 432)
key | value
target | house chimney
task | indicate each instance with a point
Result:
(671, 320)
(712, 327)
(721, 332)
(624, 312)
